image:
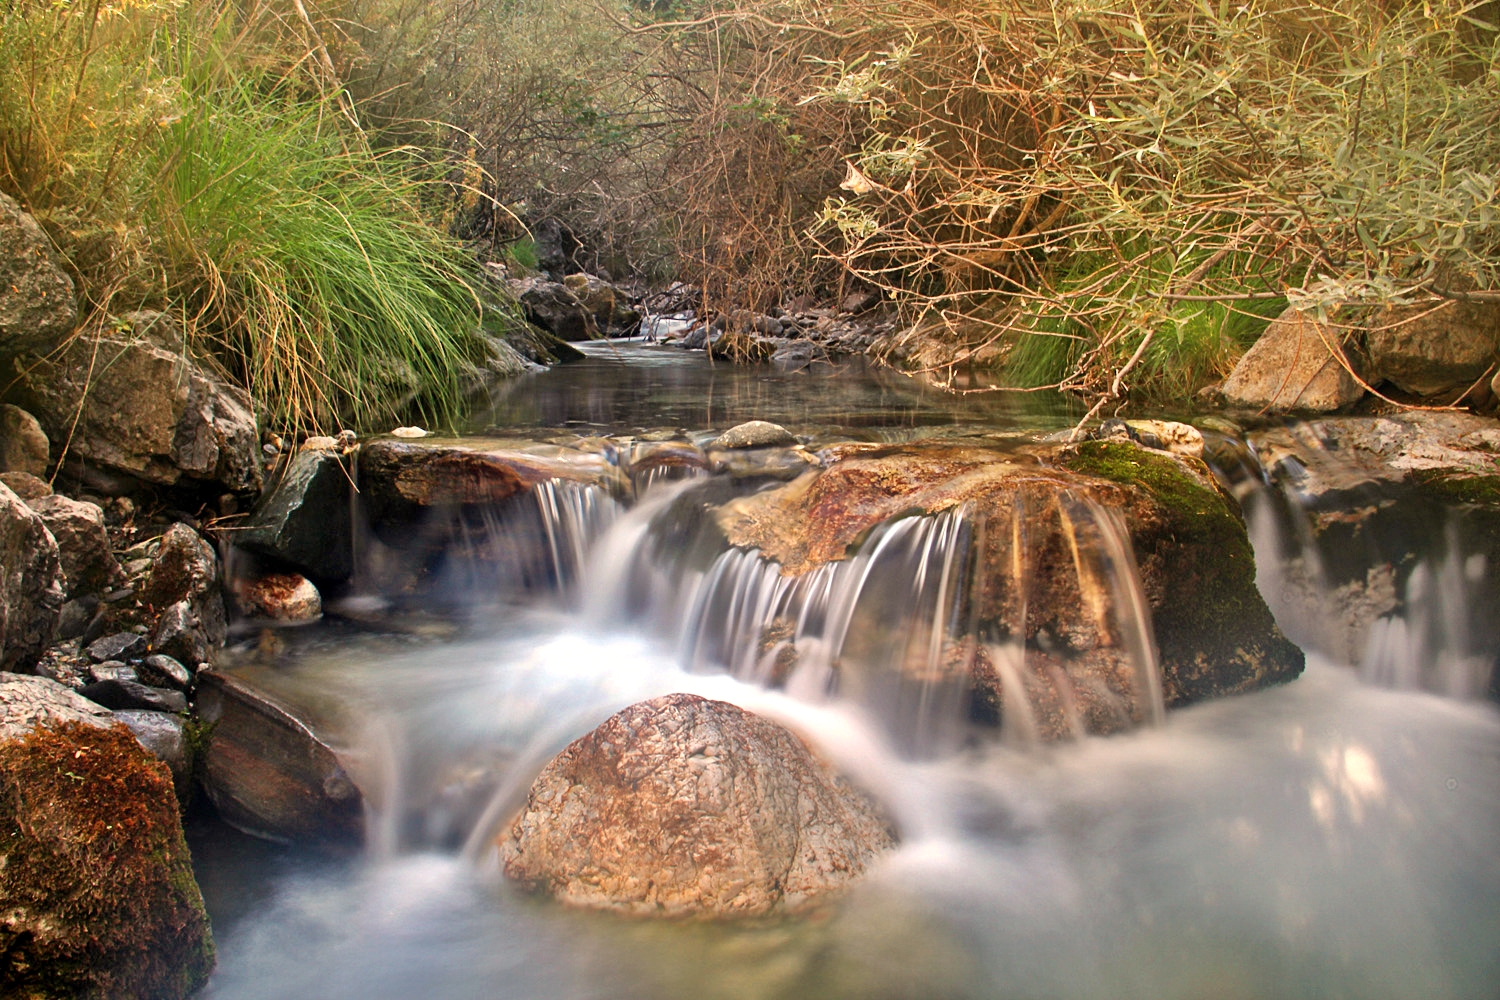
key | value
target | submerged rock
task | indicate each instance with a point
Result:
(99, 894)
(684, 807)
(31, 583)
(268, 773)
(1293, 366)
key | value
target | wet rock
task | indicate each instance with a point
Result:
(1433, 348)
(684, 807)
(121, 693)
(25, 485)
(160, 670)
(120, 646)
(268, 773)
(181, 634)
(99, 894)
(165, 738)
(23, 443)
(185, 585)
(281, 597)
(82, 543)
(1293, 367)
(37, 310)
(31, 582)
(305, 519)
(146, 411)
(754, 434)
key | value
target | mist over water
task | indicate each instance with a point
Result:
(1333, 837)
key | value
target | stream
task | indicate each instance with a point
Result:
(1338, 836)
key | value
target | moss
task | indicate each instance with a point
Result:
(97, 880)
(1214, 633)
(1483, 491)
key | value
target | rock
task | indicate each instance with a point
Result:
(305, 519)
(1433, 348)
(120, 646)
(82, 544)
(281, 597)
(160, 670)
(858, 301)
(684, 807)
(555, 245)
(268, 773)
(1292, 367)
(76, 615)
(23, 443)
(184, 584)
(552, 306)
(27, 702)
(754, 434)
(131, 406)
(1160, 435)
(164, 738)
(98, 886)
(31, 582)
(26, 486)
(112, 670)
(181, 634)
(121, 693)
(37, 311)
(608, 305)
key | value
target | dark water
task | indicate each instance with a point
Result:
(1330, 838)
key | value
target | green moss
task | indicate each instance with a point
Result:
(1458, 487)
(1214, 633)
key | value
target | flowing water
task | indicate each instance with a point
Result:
(1335, 837)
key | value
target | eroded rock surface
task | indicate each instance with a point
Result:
(685, 807)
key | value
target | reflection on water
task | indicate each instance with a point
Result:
(625, 386)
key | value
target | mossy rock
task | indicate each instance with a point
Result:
(97, 883)
(1214, 633)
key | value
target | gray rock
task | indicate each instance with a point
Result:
(27, 702)
(164, 738)
(122, 693)
(179, 633)
(680, 806)
(23, 443)
(37, 310)
(1291, 367)
(112, 670)
(185, 585)
(82, 544)
(119, 646)
(31, 583)
(128, 405)
(76, 616)
(1433, 349)
(305, 519)
(25, 485)
(268, 773)
(552, 306)
(163, 671)
(754, 434)
(608, 306)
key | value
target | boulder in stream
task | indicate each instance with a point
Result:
(305, 519)
(684, 807)
(1298, 363)
(98, 889)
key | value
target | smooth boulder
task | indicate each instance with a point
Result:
(684, 807)
(1298, 363)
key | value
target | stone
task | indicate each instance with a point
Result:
(23, 443)
(280, 597)
(31, 582)
(100, 899)
(164, 737)
(606, 304)
(130, 406)
(160, 670)
(27, 702)
(552, 306)
(37, 309)
(754, 434)
(120, 693)
(76, 615)
(112, 670)
(305, 519)
(180, 634)
(25, 485)
(1433, 349)
(82, 544)
(1297, 364)
(119, 646)
(268, 773)
(685, 807)
(185, 587)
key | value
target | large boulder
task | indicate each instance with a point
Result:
(37, 311)
(23, 444)
(607, 304)
(82, 543)
(684, 807)
(1298, 363)
(128, 404)
(1434, 348)
(305, 519)
(268, 773)
(31, 583)
(98, 889)
(552, 306)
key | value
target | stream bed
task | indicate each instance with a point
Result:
(1329, 838)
